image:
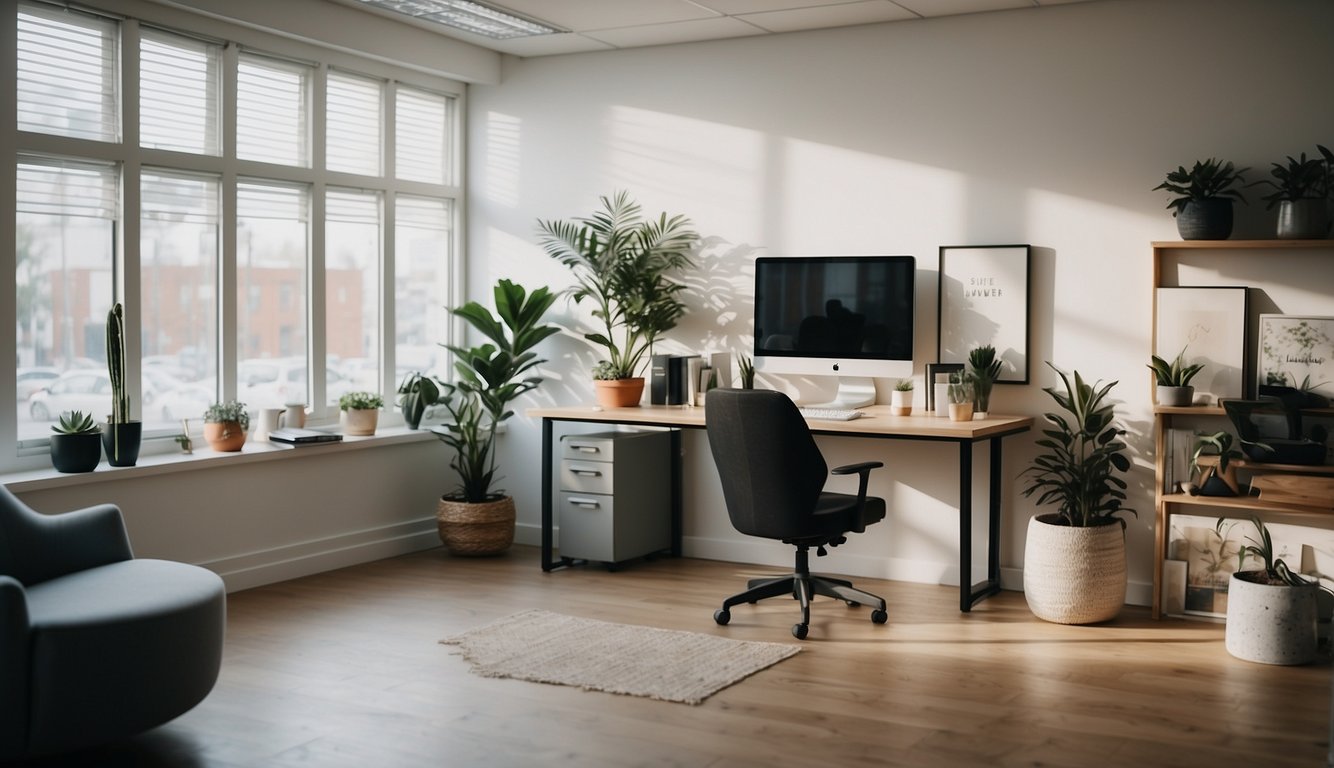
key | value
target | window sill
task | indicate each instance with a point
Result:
(204, 458)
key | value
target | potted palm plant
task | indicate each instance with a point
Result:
(121, 436)
(1075, 558)
(76, 445)
(986, 368)
(624, 264)
(1301, 190)
(1204, 197)
(475, 518)
(225, 426)
(1271, 611)
(359, 413)
(1173, 379)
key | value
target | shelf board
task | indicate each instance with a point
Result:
(1242, 502)
(1211, 460)
(1217, 245)
(1190, 410)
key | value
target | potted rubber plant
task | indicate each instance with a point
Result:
(359, 413)
(1075, 557)
(1203, 198)
(476, 518)
(986, 368)
(416, 393)
(76, 443)
(1301, 194)
(225, 426)
(1271, 611)
(121, 435)
(1172, 380)
(625, 265)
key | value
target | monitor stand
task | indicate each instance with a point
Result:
(853, 392)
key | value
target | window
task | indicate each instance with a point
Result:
(352, 290)
(65, 249)
(423, 236)
(422, 136)
(353, 138)
(178, 93)
(271, 109)
(67, 74)
(178, 255)
(271, 252)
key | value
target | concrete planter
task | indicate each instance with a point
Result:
(1270, 623)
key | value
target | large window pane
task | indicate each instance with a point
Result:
(66, 218)
(354, 136)
(421, 284)
(271, 109)
(178, 93)
(179, 281)
(67, 74)
(422, 136)
(271, 248)
(352, 290)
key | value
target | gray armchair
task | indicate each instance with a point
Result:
(96, 645)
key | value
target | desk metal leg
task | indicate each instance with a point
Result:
(968, 594)
(678, 520)
(547, 500)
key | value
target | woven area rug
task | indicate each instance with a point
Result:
(663, 664)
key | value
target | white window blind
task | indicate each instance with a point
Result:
(422, 213)
(67, 74)
(179, 197)
(271, 111)
(262, 200)
(66, 188)
(353, 136)
(178, 93)
(422, 136)
(352, 206)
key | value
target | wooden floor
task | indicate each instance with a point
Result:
(344, 669)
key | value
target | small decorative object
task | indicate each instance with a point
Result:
(1301, 193)
(294, 416)
(183, 439)
(900, 400)
(747, 367)
(960, 393)
(121, 436)
(624, 263)
(1219, 479)
(937, 387)
(1204, 197)
(1173, 379)
(475, 519)
(76, 445)
(359, 413)
(984, 299)
(1271, 612)
(985, 369)
(1075, 558)
(225, 426)
(415, 394)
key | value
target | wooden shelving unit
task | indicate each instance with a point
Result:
(1166, 504)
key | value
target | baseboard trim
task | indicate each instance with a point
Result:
(269, 566)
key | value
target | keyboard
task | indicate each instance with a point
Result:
(831, 414)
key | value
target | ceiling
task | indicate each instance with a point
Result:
(599, 25)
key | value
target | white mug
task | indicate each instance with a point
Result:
(266, 421)
(294, 416)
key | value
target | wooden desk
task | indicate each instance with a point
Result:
(877, 423)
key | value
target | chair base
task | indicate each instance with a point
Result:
(803, 586)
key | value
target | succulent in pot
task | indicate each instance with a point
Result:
(76, 445)
(900, 402)
(1203, 198)
(1172, 379)
(225, 425)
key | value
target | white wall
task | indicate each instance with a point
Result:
(1047, 126)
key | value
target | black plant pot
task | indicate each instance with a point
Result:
(1303, 219)
(1209, 219)
(121, 442)
(76, 453)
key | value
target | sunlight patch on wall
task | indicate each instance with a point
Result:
(503, 157)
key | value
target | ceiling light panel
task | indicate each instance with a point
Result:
(468, 16)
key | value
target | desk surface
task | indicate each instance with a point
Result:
(878, 422)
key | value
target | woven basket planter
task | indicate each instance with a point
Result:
(475, 530)
(1074, 575)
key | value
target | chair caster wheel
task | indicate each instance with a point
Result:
(799, 631)
(879, 616)
(722, 616)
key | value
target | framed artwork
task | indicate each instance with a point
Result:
(984, 299)
(937, 373)
(1209, 324)
(1297, 351)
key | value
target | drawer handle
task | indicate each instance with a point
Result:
(587, 472)
(586, 447)
(578, 501)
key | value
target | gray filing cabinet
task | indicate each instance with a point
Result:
(615, 495)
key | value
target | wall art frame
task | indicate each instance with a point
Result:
(1209, 323)
(984, 296)
(1296, 351)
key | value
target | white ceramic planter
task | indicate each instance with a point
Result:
(1271, 623)
(1074, 575)
(900, 402)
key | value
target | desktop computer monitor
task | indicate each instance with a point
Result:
(844, 316)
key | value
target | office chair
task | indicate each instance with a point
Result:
(773, 478)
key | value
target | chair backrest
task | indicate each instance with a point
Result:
(771, 470)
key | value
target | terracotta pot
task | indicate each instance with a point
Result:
(618, 393)
(473, 530)
(224, 436)
(1074, 575)
(359, 421)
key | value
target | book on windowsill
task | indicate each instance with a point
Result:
(296, 436)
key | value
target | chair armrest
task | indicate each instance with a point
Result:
(41, 547)
(14, 664)
(864, 470)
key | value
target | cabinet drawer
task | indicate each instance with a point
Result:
(585, 476)
(587, 526)
(588, 447)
